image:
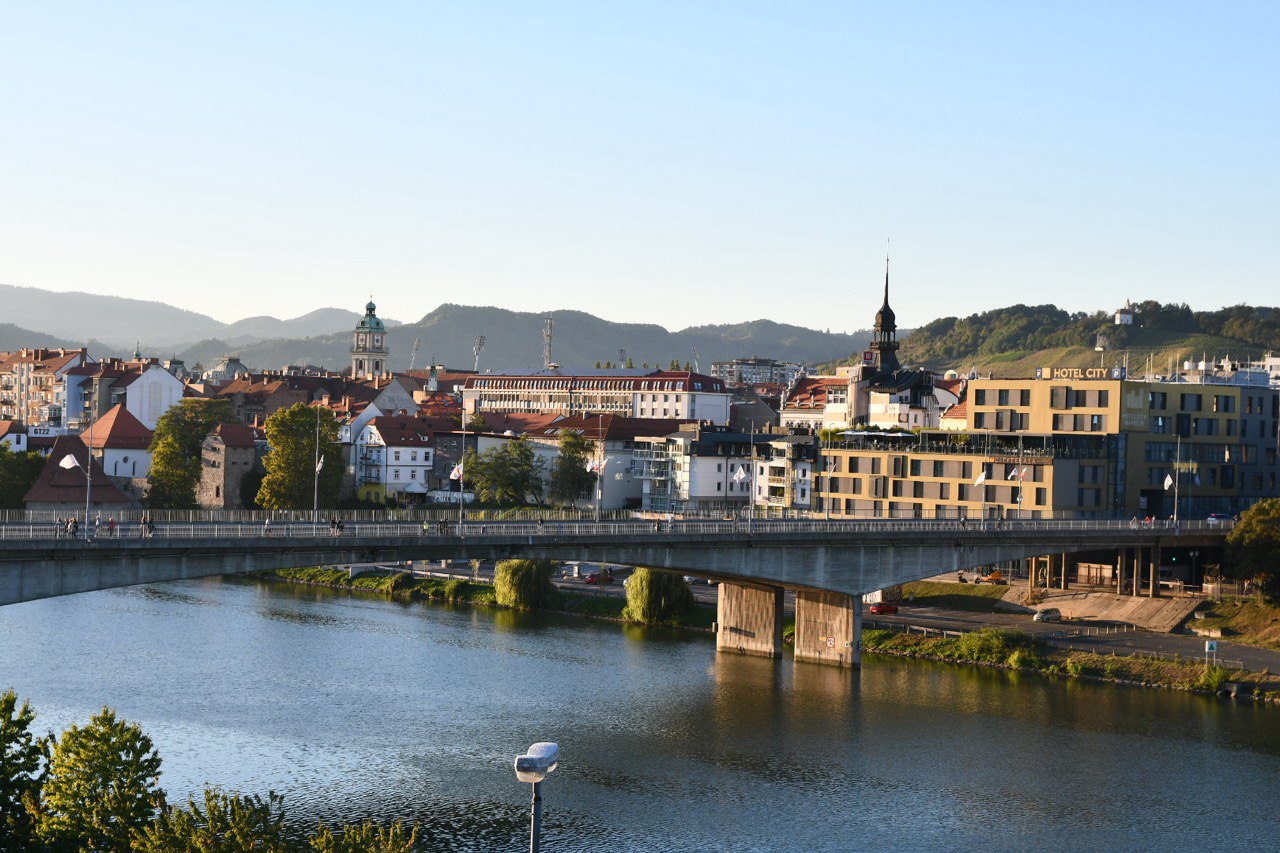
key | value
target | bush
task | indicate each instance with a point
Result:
(655, 596)
(524, 584)
(455, 589)
(1211, 678)
(225, 822)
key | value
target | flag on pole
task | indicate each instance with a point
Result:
(320, 465)
(982, 478)
(69, 461)
(1168, 482)
(1197, 479)
(1022, 475)
(1013, 475)
(740, 474)
(456, 473)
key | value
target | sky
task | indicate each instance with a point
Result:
(677, 163)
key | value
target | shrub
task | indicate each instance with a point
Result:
(455, 589)
(524, 584)
(656, 596)
(1211, 678)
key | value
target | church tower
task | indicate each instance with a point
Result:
(885, 340)
(369, 346)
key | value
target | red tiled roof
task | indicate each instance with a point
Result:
(118, 429)
(658, 380)
(12, 428)
(811, 391)
(234, 435)
(517, 422)
(405, 431)
(955, 386)
(58, 485)
(613, 427)
(959, 410)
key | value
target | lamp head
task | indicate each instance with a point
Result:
(538, 763)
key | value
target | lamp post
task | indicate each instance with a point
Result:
(1194, 555)
(70, 462)
(533, 767)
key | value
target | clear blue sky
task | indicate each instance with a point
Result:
(678, 163)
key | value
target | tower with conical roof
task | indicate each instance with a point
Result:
(369, 345)
(884, 340)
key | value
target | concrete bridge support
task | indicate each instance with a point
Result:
(829, 628)
(749, 619)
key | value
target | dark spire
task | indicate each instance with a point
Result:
(885, 339)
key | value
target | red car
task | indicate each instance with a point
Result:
(598, 577)
(883, 608)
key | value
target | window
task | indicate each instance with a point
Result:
(980, 397)
(396, 456)
(1041, 498)
(915, 467)
(1024, 397)
(1103, 399)
(1157, 400)
(937, 468)
(979, 420)
(1002, 397)
(1191, 402)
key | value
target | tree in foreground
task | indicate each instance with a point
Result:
(570, 479)
(524, 584)
(22, 754)
(224, 822)
(18, 473)
(175, 451)
(510, 473)
(101, 788)
(366, 837)
(1253, 548)
(291, 462)
(655, 596)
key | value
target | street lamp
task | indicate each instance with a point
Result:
(1194, 555)
(69, 461)
(534, 766)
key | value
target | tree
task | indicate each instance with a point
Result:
(291, 462)
(101, 787)
(510, 473)
(1253, 548)
(175, 451)
(570, 478)
(21, 756)
(366, 837)
(18, 473)
(630, 364)
(226, 823)
(477, 423)
(524, 584)
(655, 596)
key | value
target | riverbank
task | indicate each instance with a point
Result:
(404, 586)
(1014, 650)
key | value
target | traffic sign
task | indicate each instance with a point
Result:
(1210, 646)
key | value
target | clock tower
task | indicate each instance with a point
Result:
(369, 346)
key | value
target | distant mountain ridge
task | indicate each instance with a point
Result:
(513, 342)
(120, 322)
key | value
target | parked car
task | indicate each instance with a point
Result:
(1047, 614)
(883, 608)
(1216, 518)
(601, 577)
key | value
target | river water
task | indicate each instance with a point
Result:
(352, 706)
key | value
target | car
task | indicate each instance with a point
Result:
(1047, 614)
(603, 577)
(1214, 519)
(883, 608)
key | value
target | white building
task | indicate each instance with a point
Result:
(697, 469)
(666, 394)
(393, 457)
(121, 443)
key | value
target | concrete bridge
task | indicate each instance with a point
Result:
(829, 564)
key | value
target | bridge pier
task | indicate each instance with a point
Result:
(829, 628)
(749, 619)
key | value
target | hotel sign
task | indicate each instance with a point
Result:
(1080, 373)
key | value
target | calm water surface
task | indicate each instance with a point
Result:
(355, 707)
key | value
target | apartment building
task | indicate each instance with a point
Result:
(698, 468)
(756, 371)
(31, 384)
(663, 394)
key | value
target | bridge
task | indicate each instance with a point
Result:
(828, 564)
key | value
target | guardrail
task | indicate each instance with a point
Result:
(442, 528)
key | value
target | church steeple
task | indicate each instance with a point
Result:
(885, 339)
(369, 345)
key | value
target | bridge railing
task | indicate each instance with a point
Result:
(606, 529)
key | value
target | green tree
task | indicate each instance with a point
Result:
(366, 837)
(101, 787)
(524, 584)
(655, 596)
(477, 423)
(291, 462)
(18, 473)
(250, 485)
(510, 473)
(570, 478)
(1253, 548)
(175, 451)
(224, 822)
(630, 364)
(22, 754)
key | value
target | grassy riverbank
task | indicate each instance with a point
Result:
(456, 591)
(1250, 622)
(1019, 651)
(973, 597)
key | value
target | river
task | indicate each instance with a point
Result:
(352, 706)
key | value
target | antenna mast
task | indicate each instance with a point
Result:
(413, 359)
(696, 368)
(547, 363)
(476, 349)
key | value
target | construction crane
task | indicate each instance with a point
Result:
(476, 349)
(413, 358)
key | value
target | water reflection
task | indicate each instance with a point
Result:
(352, 706)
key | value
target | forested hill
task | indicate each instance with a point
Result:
(1010, 340)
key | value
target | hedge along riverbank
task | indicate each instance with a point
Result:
(402, 585)
(1018, 651)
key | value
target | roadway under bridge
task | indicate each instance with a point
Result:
(830, 564)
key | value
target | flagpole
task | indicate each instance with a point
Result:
(315, 479)
(88, 478)
(462, 471)
(1177, 476)
(751, 503)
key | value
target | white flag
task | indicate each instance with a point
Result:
(1168, 482)
(456, 473)
(1013, 475)
(982, 478)
(740, 474)
(320, 465)
(69, 461)
(1022, 475)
